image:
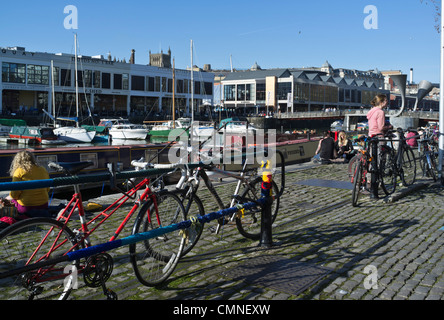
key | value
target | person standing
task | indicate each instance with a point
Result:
(376, 115)
(376, 126)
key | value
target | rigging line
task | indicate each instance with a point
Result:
(82, 70)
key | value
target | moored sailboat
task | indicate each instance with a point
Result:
(74, 134)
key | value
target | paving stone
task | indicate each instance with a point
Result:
(316, 225)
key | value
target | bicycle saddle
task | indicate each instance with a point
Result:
(71, 168)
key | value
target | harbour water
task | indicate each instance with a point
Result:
(114, 142)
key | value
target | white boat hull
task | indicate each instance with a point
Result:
(74, 135)
(128, 134)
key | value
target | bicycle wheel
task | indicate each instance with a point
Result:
(357, 183)
(35, 240)
(387, 172)
(431, 166)
(155, 259)
(408, 165)
(249, 225)
(352, 165)
(193, 208)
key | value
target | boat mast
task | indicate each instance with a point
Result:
(76, 79)
(53, 93)
(174, 89)
(192, 85)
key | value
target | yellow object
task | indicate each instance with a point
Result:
(267, 176)
(91, 206)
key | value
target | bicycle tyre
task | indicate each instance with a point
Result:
(155, 259)
(352, 165)
(357, 182)
(17, 244)
(387, 172)
(194, 232)
(249, 225)
(408, 165)
(431, 167)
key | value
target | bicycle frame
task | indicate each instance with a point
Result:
(105, 214)
(83, 238)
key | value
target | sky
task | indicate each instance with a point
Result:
(390, 35)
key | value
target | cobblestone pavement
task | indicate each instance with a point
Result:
(388, 249)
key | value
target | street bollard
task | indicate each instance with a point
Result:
(266, 192)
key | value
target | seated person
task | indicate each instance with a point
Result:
(28, 203)
(326, 148)
(344, 147)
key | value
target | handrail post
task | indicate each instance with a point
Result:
(266, 220)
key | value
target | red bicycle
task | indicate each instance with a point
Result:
(40, 239)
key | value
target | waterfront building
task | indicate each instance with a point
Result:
(108, 87)
(300, 89)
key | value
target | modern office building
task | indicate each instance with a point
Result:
(300, 89)
(106, 86)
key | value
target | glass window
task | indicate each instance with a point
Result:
(125, 81)
(65, 75)
(13, 72)
(197, 87)
(87, 78)
(208, 88)
(179, 87)
(283, 89)
(260, 92)
(138, 83)
(80, 79)
(241, 92)
(38, 74)
(56, 76)
(186, 86)
(170, 85)
(229, 92)
(150, 83)
(157, 84)
(347, 95)
(97, 77)
(164, 84)
(106, 80)
(117, 81)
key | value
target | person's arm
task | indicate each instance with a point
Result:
(381, 121)
(319, 146)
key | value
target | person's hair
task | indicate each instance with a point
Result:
(23, 159)
(342, 142)
(378, 99)
(327, 133)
